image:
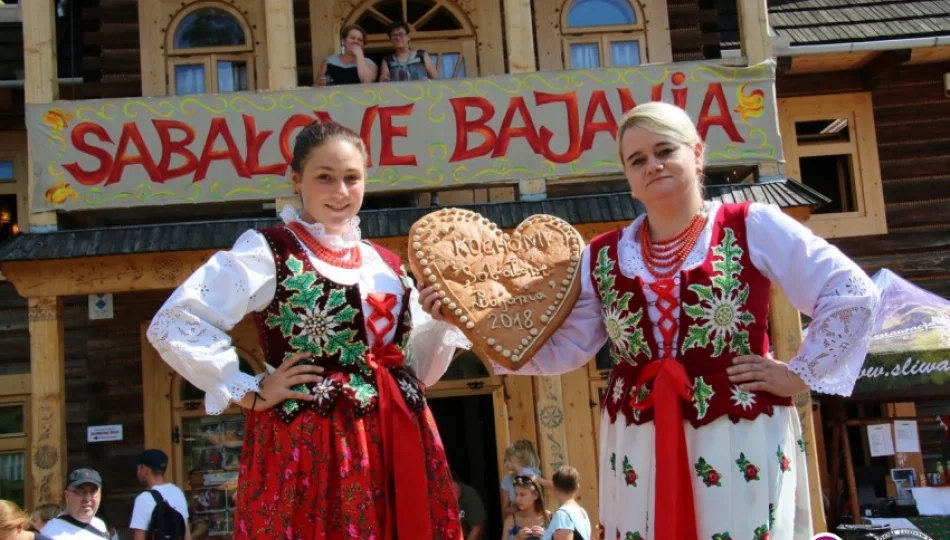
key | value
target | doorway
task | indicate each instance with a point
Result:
(467, 426)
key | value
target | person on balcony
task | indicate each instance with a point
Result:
(405, 64)
(699, 438)
(339, 441)
(351, 66)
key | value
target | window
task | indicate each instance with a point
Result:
(830, 146)
(210, 50)
(6, 171)
(602, 33)
(13, 446)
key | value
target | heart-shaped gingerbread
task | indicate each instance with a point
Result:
(507, 293)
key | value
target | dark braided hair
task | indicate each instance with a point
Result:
(315, 134)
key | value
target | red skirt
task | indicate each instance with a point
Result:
(324, 478)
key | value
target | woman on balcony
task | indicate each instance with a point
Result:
(405, 64)
(339, 441)
(351, 66)
(699, 438)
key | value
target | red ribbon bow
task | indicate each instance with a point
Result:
(407, 514)
(675, 512)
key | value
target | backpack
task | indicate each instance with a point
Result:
(166, 523)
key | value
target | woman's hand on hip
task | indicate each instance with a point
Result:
(277, 387)
(754, 373)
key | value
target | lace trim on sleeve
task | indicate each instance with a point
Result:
(834, 349)
(231, 391)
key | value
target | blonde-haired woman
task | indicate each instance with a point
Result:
(14, 523)
(699, 438)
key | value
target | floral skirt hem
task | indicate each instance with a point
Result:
(323, 478)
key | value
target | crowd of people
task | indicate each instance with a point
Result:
(163, 508)
(159, 510)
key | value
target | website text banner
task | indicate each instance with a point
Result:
(421, 135)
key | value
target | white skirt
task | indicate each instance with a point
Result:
(749, 479)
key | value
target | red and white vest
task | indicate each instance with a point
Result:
(724, 307)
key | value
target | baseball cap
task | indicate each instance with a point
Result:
(153, 459)
(83, 476)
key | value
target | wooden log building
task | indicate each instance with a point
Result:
(864, 113)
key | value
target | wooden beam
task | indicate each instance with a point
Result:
(519, 36)
(15, 385)
(883, 65)
(786, 325)
(552, 435)
(521, 419)
(281, 58)
(157, 377)
(754, 37)
(41, 79)
(117, 273)
(281, 45)
(581, 440)
(151, 37)
(47, 467)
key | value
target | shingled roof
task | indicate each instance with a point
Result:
(374, 223)
(815, 22)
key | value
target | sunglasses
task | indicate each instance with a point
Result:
(524, 480)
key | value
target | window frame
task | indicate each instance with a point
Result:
(18, 388)
(209, 56)
(210, 62)
(176, 21)
(566, 29)
(868, 217)
(604, 42)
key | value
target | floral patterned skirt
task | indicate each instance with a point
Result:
(324, 478)
(749, 479)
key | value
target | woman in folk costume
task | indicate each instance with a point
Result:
(339, 441)
(699, 439)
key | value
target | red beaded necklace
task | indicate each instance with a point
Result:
(348, 258)
(670, 253)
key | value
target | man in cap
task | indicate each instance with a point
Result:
(79, 522)
(151, 465)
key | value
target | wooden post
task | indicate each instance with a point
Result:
(582, 438)
(552, 434)
(42, 83)
(157, 379)
(754, 30)
(48, 404)
(281, 59)
(786, 327)
(849, 476)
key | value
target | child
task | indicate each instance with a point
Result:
(570, 522)
(529, 517)
(520, 458)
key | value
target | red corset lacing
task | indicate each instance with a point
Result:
(407, 514)
(673, 499)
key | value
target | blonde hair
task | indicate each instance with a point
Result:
(661, 118)
(11, 517)
(522, 453)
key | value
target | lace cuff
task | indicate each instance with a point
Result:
(432, 347)
(833, 352)
(231, 391)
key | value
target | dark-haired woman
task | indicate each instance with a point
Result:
(351, 66)
(339, 441)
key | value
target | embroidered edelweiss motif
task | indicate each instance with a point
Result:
(622, 325)
(408, 389)
(313, 327)
(617, 392)
(741, 398)
(322, 391)
(721, 304)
